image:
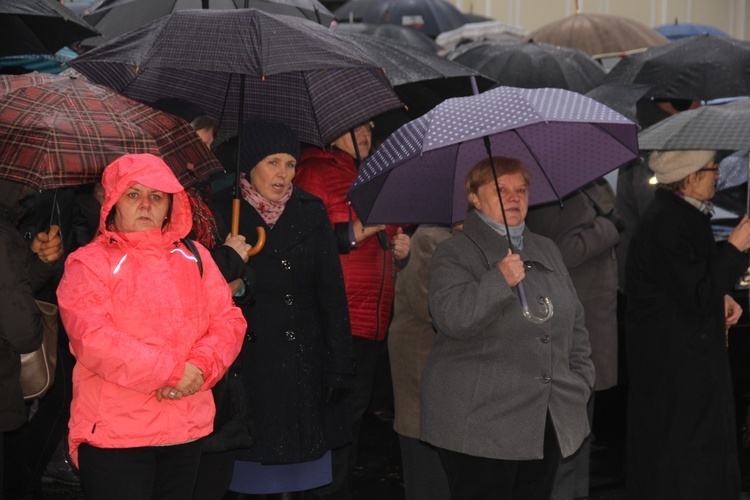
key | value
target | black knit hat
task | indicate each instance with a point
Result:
(261, 138)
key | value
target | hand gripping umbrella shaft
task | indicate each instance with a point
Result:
(549, 310)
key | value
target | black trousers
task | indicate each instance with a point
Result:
(479, 478)
(151, 472)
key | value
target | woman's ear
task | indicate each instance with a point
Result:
(474, 199)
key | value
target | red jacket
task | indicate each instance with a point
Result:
(368, 269)
(136, 309)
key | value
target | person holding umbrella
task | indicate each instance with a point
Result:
(503, 394)
(152, 326)
(296, 364)
(369, 255)
(681, 439)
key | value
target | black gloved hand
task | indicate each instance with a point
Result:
(334, 395)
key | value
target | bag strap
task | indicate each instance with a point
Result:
(194, 250)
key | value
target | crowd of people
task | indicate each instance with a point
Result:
(198, 371)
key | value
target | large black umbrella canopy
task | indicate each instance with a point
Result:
(294, 71)
(413, 38)
(116, 17)
(39, 27)
(719, 126)
(531, 65)
(431, 17)
(700, 68)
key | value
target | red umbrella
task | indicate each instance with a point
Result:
(58, 130)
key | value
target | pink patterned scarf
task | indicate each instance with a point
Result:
(269, 210)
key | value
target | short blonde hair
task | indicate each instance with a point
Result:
(481, 174)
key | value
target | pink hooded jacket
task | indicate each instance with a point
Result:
(136, 309)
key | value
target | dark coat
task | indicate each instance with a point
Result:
(298, 341)
(681, 426)
(21, 274)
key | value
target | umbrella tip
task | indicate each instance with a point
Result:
(675, 21)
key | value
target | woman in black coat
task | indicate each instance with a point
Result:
(681, 430)
(296, 361)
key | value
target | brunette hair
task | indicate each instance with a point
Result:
(481, 174)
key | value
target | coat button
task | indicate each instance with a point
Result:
(286, 265)
(288, 299)
(290, 335)
(545, 338)
(546, 378)
(250, 336)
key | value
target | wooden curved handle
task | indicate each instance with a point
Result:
(258, 244)
(236, 229)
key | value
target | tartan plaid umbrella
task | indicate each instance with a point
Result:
(57, 130)
(275, 67)
(39, 27)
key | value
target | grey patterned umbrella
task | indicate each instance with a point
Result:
(294, 71)
(719, 126)
(566, 140)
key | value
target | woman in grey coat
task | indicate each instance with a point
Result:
(503, 398)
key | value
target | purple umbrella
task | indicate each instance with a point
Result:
(565, 139)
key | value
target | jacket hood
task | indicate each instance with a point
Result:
(150, 171)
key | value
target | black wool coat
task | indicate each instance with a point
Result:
(298, 341)
(681, 425)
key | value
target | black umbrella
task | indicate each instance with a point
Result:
(700, 68)
(431, 17)
(115, 17)
(531, 65)
(354, 10)
(621, 98)
(297, 72)
(413, 38)
(39, 27)
(242, 63)
(422, 80)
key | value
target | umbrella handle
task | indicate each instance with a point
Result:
(259, 243)
(549, 309)
(236, 229)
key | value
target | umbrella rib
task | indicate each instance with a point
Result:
(539, 164)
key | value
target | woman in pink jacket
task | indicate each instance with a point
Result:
(152, 328)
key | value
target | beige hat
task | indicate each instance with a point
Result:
(673, 166)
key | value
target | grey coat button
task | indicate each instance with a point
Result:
(545, 338)
(546, 378)
(290, 335)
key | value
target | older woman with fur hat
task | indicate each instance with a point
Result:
(297, 358)
(681, 429)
